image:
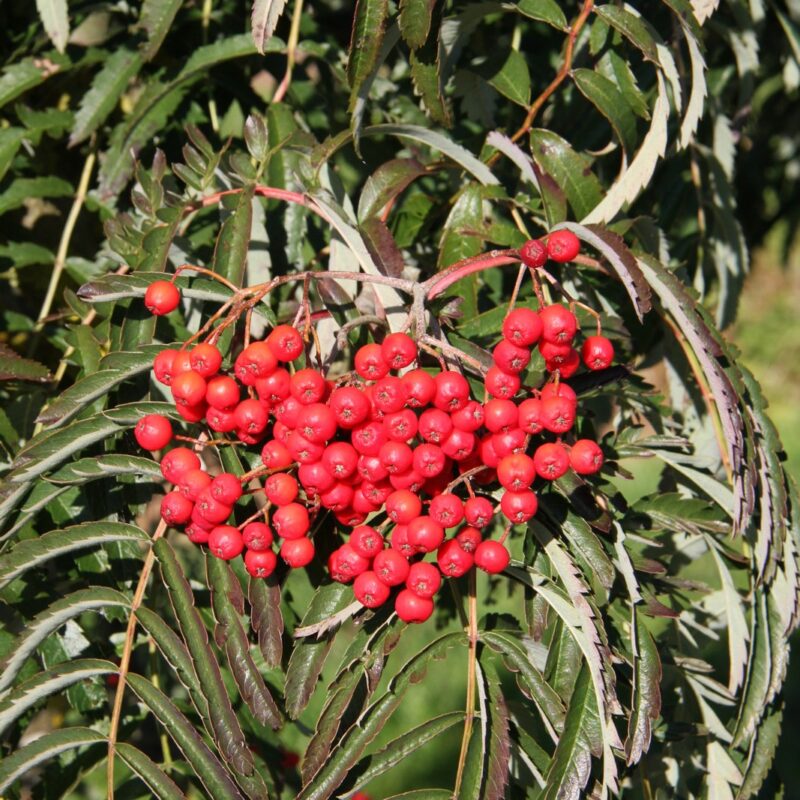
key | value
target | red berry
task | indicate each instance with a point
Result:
(370, 590)
(501, 384)
(411, 607)
(424, 579)
(161, 297)
(429, 460)
(555, 353)
(411, 481)
(500, 415)
(510, 358)
(338, 498)
(256, 361)
(491, 557)
(586, 457)
(257, 536)
(425, 534)
(389, 394)
(193, 482)
(291, 521)
(301, 449)
(210, 510)
(251, 417)
(507, 442)
(516, 472)
(222, 392)
(420, 386)
(178, 462)
(399, 541)
(459, 445)
(317, 423)
(559, 325)
(468, 539)
(369, 438)
(563, 246)
(153, 432)
(366, 541)
(402, 506)
(447, 510)
(188, 388)
(205, 359)
(452, 391)
(176, 508)
(396, 457)
(470, 417)
(558, 414)
(560, 390)
(197, 534)
(226, 488)
(478, 512)
(345, 563)
(275, 455)
(398, 350)
(164, 366)
(519, 506)
(533, 253)
(350, 406)
(297, 552)
(390, 567)
(274, 388)
(285, 342)
(281, 488)
(567, 367)
(226, 542)
(260, 563)
(551, 461)
(401, 426)
(370, 468)
(597, 352)
(370, 363)
(453, 560)
(308, 386)
(435, 425)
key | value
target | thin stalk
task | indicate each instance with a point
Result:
(291, 49)
(472, 656)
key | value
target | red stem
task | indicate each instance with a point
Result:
(497, 258)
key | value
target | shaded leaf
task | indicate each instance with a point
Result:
(156, 18)
(512, 79)
(548, 11)
(369, 21)
(156, 780)
(646, 703)
(16, 368)
(415, 21)
(386, 183)
(266, 618)
(263, 20)
(610, 102)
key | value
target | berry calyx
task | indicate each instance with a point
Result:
(533, 253)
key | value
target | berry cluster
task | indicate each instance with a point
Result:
(403, 457)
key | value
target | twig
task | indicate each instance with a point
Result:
(291, 48)
(472, 633)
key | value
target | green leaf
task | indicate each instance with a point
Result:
(156, 18)
(31, 553)
(23, 189)
(47, 622)
(570, 170)
(156, 780)
(46, 683)
(615, 68)
(474, 764)
(631, 27)
(498, 741)
(396, 751)
(16, 368)
(205, 764)
(227, 602)
(263, 20)
(233, 242)
(227, 730)
(646, 702)
(54, 17)
(696, 104)
(761, 755)
(428, 82)
(387, 182)
(610, 102)
(548, 11)
(107, 87)
(266, 618)
(382, 247)
(23, 761)
(308, 657)
(17, 78)
(512, 78)
(415, 21)
(369, 23)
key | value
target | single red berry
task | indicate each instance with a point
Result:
(511, 441)
(452, 391)
(370, 363)
(559, 325)
(401, 426)
(301, 449)
(520, 506)
(193, 482)
(205, 359)
(470, 417)
(522, 327)
(350, 406)
(308, 386)
(182, 362)
(287, 411)
(389, 394)
(297, 552)
(559, 390)
(516, 472)
(447, 509)
(176, 508)
(340, 459)
(276, 455)
(555, 353)
(291, 521)
(188, 388)
(368, 438)
(551, 461)
(420, 386)
(425, 534)
(285, 342)
(281, 488)
(226, 542)
(178, 462)
(501, 384)
(566, 367)
(164, 366)
(424, 579)
(197, 534)
(196, 413)
(491, 557)
(459, 445)
(533, 254)
(222, 392)
(209, 510)
(399, 541)
(345, 563)
(510, 358)
(338, 498)
(251, 417)
(558, 414)
(478, 512)
(411, 481)
(453, 560)
(161, 297)
(500, 415)
(153, 432)
(257, 536)
(226, 488)
(256, 361)
(563, 246)
(396, 457)
(366, 541)
(597, 352)
(398, 350)
(411, 607)
(315, 478)
(370, 468)
(429, 460)
(317, 423)
(468, 539)
(586, 457)
(260, 563)
(391, 567)
(370, 590)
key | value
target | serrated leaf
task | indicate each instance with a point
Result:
(31, 553)
(511, 78)
(227, 602)
(369, 23)
(646, 702)
(23, 761)
(156, 18)
(23, 189)
(104, 93)
(617, 69)
(308, 658)
(570, 170)
(415, 21)
(697, 96)
(46, 683)
(631, 27)
(386, 183)
(54, 17)
(156, 780)
(263, 20)
(227, 730)
(548, 11)
(16, 368)
(429, 83)
(498, 741)
(610, 102)
(761, 755)
(17, 78)
(47, 622)
(266, 618)
(202, 760)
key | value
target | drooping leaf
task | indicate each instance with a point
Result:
(263, 20)
(415, 21)
(266, 618)
(156, 780)
(548, 11)
(156, 18)
(369, 22)
(499, 741)
(646, 703)
(16, 368)
(55, 20)
(610, 102)
(386, 183)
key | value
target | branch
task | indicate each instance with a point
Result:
(434, 286)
